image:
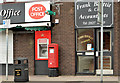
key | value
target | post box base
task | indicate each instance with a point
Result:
(53, 72)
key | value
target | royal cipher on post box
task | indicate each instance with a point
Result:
(53, 55)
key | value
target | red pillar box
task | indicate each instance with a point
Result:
(42, 40)
(53, 55)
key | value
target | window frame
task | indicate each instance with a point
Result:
(80, 65)
(77, 41)
(99, 43)
(38, 48)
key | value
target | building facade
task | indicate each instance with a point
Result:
(79, 48)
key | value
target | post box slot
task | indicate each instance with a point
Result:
(51, 47)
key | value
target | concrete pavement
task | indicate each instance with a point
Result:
(65, 78)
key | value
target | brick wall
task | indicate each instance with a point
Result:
(64, 34)
(24, 47)
(116, 38)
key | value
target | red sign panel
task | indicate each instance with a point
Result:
(43, 41)
(37, 11)
(41, 36)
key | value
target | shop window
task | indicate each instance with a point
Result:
(85, 40)
(85, 64)
(3, 46)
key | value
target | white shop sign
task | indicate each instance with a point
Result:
(35, 11)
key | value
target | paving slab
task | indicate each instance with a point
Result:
(64, 79)
(60, 82)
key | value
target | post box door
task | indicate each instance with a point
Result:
(51, 61)
(53, 57)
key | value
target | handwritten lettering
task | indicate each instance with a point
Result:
(85, 36)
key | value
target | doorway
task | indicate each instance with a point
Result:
(88, 51)
(85, 51)
(107, 51)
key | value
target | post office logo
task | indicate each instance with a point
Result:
(37, 11)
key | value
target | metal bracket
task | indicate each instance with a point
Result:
(56, 3)
(58, 7)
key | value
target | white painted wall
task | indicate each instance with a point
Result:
(23, 0)
(10, 0)
(3, 47)
(1, 1)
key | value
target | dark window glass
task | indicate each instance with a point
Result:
(43, 50)
(85, 40)
(106, 41)
(85, 64)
